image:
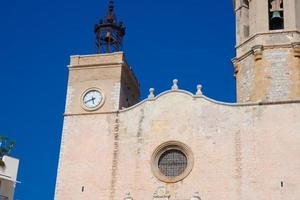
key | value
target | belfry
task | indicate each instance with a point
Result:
(179, 145)
(267, 50)
(109, 32)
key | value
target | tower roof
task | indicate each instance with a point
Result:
(109, 32)
(110, 17)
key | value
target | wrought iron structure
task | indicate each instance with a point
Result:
(109, 32)
(172, 163)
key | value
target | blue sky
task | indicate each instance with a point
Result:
(190, 40)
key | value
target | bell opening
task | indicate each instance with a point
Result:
(276, 21)
(276, 15)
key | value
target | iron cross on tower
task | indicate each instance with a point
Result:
(109, 32)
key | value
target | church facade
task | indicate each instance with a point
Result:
(179, 145)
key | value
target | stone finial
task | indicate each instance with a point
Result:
(175, 84)
(196, 196)
(161, 194)
(258, 52)
(128, 196)
(199, 90)
(296, 47)
(151, 93)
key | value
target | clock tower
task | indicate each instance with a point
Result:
(99, 86)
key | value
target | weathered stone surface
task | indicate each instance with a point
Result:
(271, 72)
(240, 151)
(243, 151)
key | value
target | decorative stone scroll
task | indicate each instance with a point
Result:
(128, 196)
(196, 196)
(161, 194)
(199, 91)
(175, 84)
(258, 52)
(296, 47)
(151, 93)
(236, 66)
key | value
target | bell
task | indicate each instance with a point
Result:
(108, 37)
(276, 15)
(276, 21)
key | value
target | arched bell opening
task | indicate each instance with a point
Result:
(246, 26)
(276, 14)
(246, 3)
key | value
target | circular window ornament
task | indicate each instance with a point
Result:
(92, 99)
(172, 162)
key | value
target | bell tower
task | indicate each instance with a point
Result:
(267, 62)
(109, 32)
(102, 82)
(99, 86)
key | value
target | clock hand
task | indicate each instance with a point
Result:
(93, 99)
(89, 100)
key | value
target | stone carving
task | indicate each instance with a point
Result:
(199, 90)
(276, 5)
(196, 196)
(296, 47)
(257, 52)
(128, 196)
(151, 93)
(175, 84)
(236, 66)
(161, 194)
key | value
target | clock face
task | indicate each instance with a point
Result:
(92, 99)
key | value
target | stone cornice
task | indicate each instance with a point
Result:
(94, 66)
(253, 50)
(240, 7)
(193, 96)
(268, 33)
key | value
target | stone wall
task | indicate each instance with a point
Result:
(244, 79)
(240, 151)
(297, 7)
(266, 66)
(269, 74)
